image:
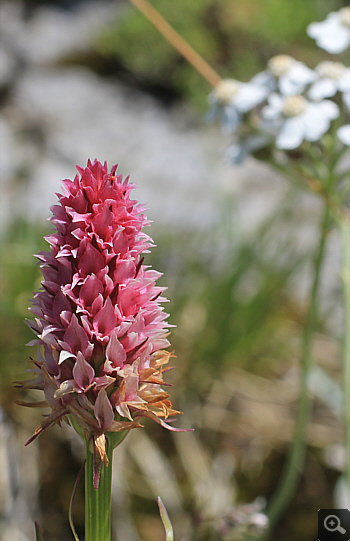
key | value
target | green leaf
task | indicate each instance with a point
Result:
(116, 438)
(166, 521)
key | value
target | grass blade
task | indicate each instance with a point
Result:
(166, 521)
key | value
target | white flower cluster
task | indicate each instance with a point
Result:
(288, 103)
(333, 34)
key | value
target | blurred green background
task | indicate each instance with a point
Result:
(238, 323)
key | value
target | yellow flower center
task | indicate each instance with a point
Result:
(280, 64)
(294, 105)
(226, 90)
(345, 16)
(334, 70)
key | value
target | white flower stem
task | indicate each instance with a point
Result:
(322, 184)
(344, 226)
(296, 458)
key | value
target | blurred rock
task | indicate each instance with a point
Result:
(52, 31)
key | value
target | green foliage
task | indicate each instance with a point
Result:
(166, 521)
(20, 277)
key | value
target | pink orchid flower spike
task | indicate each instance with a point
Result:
(101, 331)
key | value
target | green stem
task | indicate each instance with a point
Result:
(98, 502)
(294, 466)
(344, 225)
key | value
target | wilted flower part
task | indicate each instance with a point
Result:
(231, 99)
(293, 119)
(101, 331)
(332, 77)
(286, 75)
(343, 134)
(332, 34)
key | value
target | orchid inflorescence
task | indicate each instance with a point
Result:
(101, 330)
(288, 103)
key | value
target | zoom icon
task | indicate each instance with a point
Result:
(333, 525)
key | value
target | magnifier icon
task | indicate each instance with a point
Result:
(332, 524)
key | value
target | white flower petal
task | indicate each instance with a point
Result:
(291, 134)
(330, 34)
(313, 30)
(248, 96)
(344, 134)
(276, 101)
(265, 79)
(323, 88)
(273, 110)
(301, 73)
(317, 119)
(288, 87)
(295, 80)
(315, 125)
(328, 108)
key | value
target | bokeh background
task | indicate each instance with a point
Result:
(93, 79)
